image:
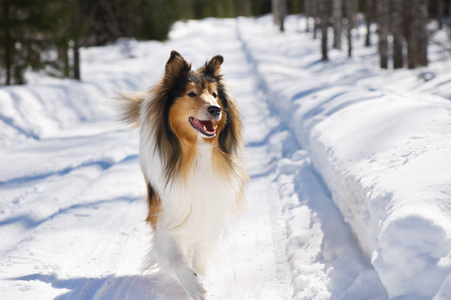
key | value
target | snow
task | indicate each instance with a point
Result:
(349, 195)
(381, 150)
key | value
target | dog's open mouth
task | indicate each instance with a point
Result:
(205, 127)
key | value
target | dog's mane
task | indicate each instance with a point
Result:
(230, 136)
(166, 142)
(163, 96)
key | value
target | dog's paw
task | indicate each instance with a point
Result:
(198, 292)
(193, 286)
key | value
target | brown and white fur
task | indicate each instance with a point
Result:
(192, 157)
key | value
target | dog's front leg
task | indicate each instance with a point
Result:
(200, 259)
(170, 257)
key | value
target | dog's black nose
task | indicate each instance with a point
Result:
(214, 110)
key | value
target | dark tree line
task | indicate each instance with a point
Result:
(47, 34)
(401, 26)
(29, 30)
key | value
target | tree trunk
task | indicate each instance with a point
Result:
(449, 13)
(279, 10)
(7, 42)
(350, 14)
(440, 7)
(412, 35)
(307, 10)
(76, 60)
(275, 12)
(18, 72)
(283, 12)
(369, 5)
(63, 56)
(422, 20)
(338, 16)
(77, 20)
(324, 15)
(382, 18)
(315, 8)
(248, 7)
(397, 31)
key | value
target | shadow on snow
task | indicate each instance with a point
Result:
(102, 164)
(29, 222)
(151, 286)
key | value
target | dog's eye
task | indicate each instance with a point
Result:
(215, 95)
(192, 94)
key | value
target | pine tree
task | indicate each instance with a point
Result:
(337, 17)
(324, 15)
(397, 32)
(307, 12)
(383, 20)
(29, 29)
(449, 13)
(350, 15)
(369, 6)
(7, 49)
(440, 11)
(279, 10)
(412, 34)
(316, 20)
(153, 18)
(422, 19)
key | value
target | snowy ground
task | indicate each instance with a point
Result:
(348, 198)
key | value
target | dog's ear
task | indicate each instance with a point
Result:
(176, 67)
(231, 136)
(213, 67)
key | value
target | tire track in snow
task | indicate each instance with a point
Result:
(63, 190)
(78, 247)
(251, 263)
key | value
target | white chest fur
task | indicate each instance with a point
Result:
(198, 209)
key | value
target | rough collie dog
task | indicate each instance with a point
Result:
(191, 154)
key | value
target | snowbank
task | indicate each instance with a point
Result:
(386, 162)
(383, 154)
(39, 111)
(46, 106)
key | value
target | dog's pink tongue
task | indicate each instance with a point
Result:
(203, 124)
(207, 124)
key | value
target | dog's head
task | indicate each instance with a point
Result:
(198, 105)
(188, 106)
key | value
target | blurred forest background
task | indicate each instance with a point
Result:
(47, 34)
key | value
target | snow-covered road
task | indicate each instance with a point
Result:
(72, 205)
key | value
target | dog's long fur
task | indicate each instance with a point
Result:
(194, 175)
